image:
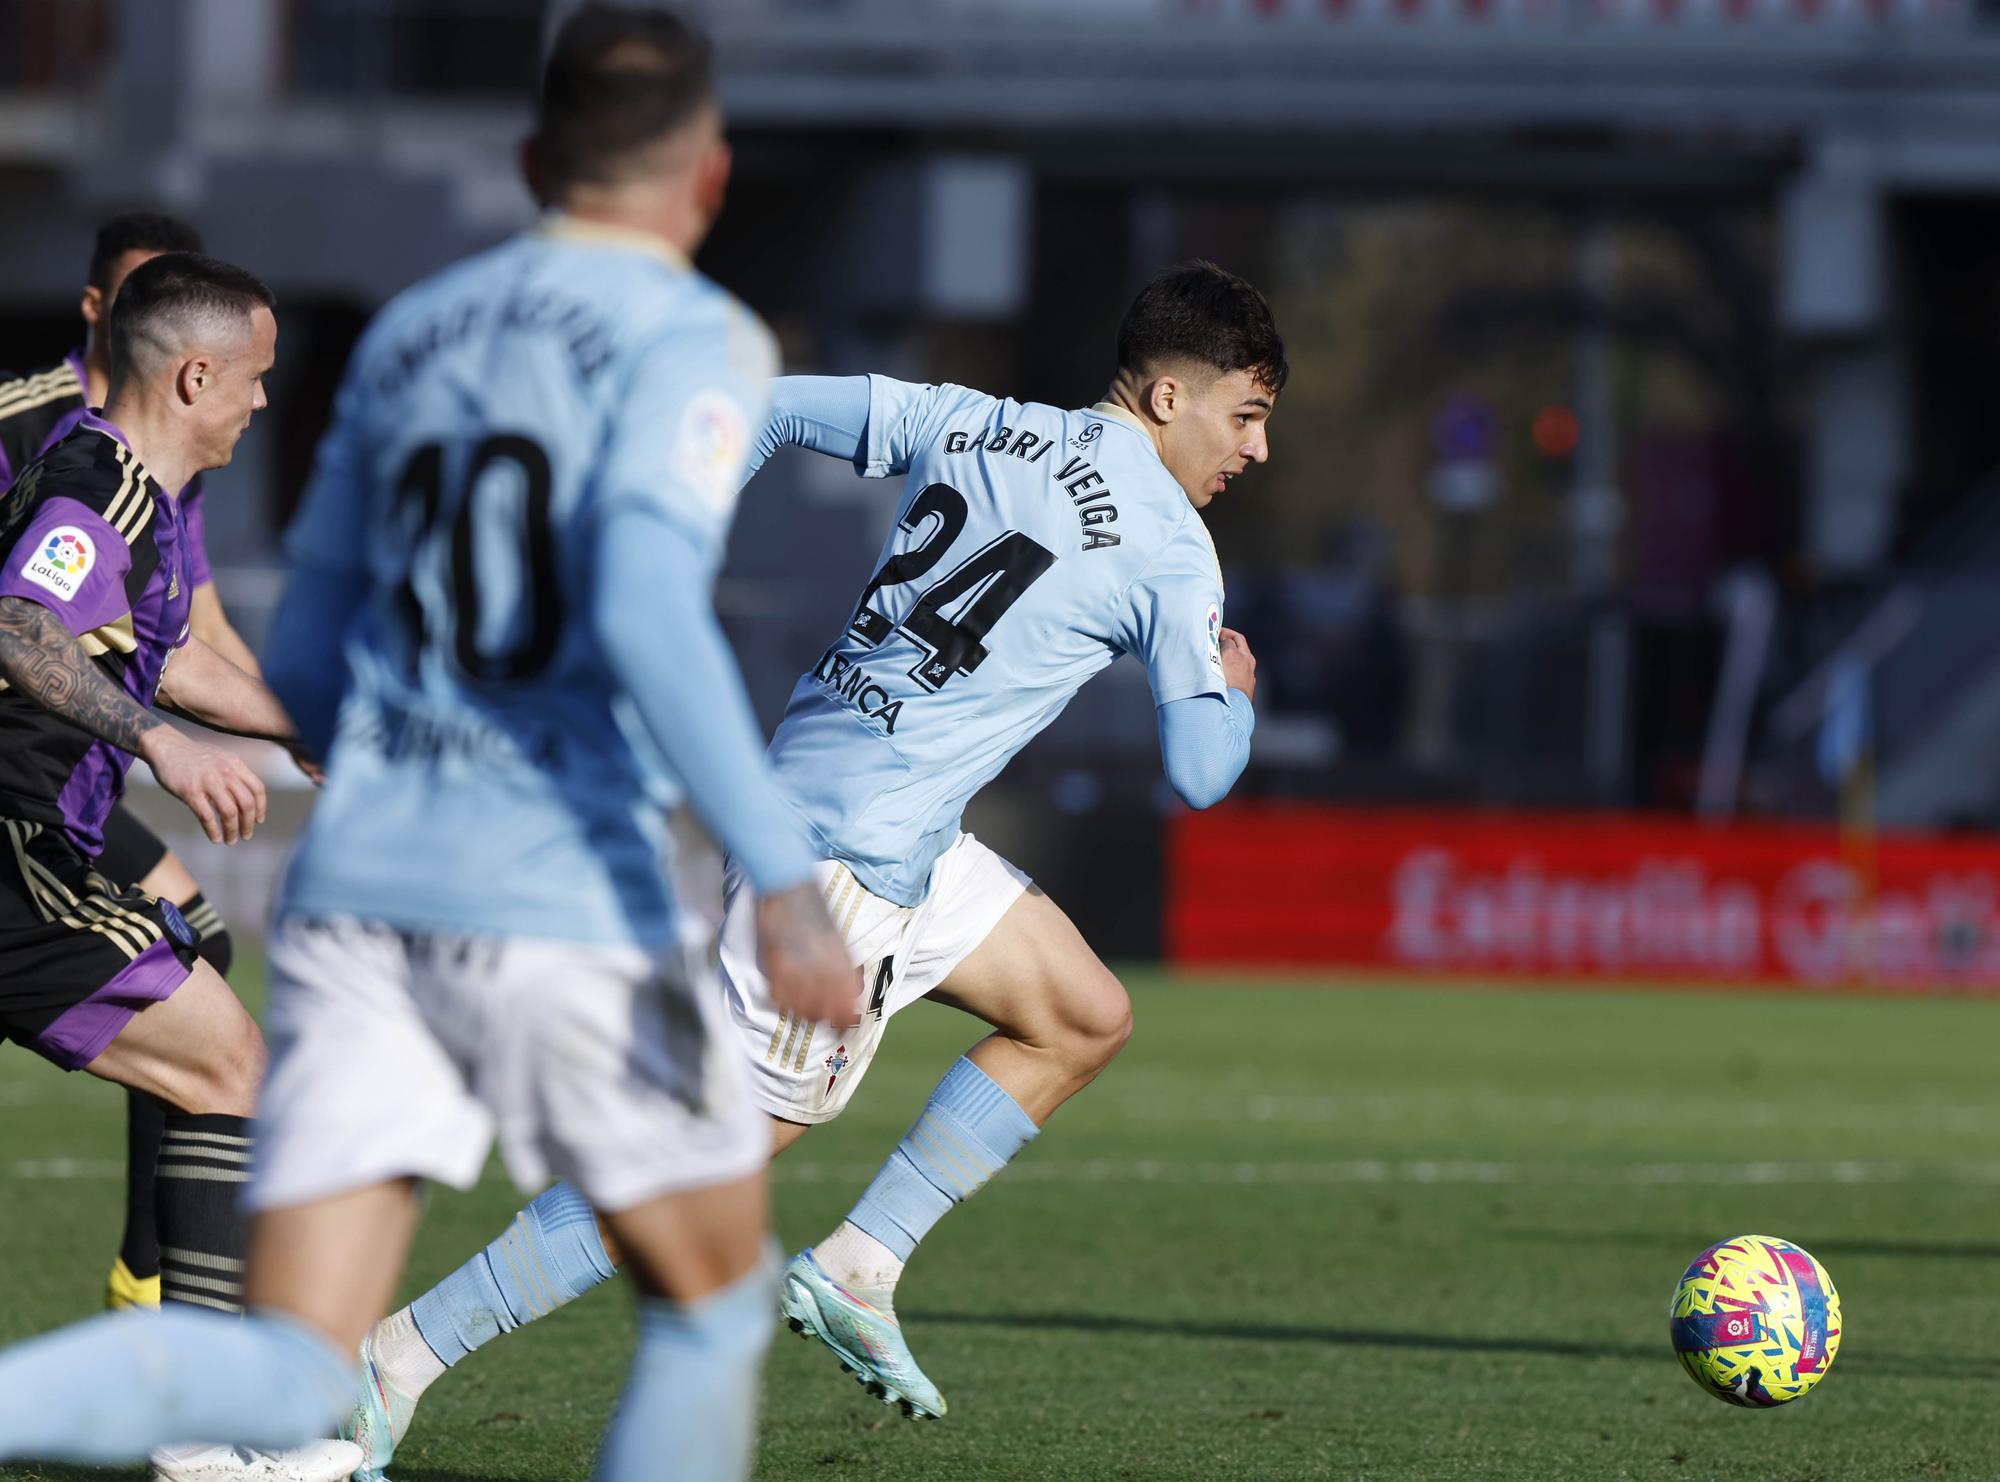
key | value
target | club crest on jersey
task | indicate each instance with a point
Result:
(713, 443)
(835, 1064)
(61, 562)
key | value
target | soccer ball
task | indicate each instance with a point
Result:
(1755, 1321)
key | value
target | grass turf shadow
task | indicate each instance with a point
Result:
(1117, 1325)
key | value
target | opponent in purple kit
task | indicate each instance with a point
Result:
(37, 411)
(95, 592)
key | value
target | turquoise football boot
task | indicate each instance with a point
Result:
(866, 1340)
(381, 1418)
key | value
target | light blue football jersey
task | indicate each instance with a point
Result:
(487, 772)
(1032, 547)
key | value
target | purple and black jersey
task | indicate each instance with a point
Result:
(86, 533)
(40, 410)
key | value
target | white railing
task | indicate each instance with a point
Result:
(1163, 19)
(1578, 13)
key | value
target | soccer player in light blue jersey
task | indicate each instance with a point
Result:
(1032, 546)
(500, 622)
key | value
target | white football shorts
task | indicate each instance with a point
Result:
(804, 1072)
(397, 1054)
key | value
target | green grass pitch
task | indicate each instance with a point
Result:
(1344, 1231)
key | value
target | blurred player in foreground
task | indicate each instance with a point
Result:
(501, 618)
(1032, 547)
(38, 411)
(94, 975)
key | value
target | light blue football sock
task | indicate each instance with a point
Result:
(970, 1129)
(113, 1389)
(690, 1404)
(551, 1255)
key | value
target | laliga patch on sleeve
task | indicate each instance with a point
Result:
(713, 443)
(1215, 636)
(60, 561)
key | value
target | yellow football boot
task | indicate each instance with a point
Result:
(122, 1289)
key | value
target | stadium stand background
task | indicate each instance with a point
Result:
(1637, 460)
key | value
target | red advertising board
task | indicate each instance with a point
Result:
(1579, 895)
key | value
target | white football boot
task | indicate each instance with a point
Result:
(867, 1341)
(316, 1461)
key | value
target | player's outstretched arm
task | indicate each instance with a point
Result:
(691, 698)
(200, 684)
(42, 659)
(210, 623)
(828, 414)
(305, 652)
(307, 671)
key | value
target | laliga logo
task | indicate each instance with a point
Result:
(67, 552)
(62, 562)
(714, 442)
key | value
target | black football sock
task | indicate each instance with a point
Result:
(204, 1164)
(145, 1118)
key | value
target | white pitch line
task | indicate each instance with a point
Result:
(58, 1170)
(1295, 1174)
(1375, 1171)
(1452, 1107)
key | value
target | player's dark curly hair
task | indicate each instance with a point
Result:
(618, 80)
(167, 300)
(138, 231)
(1196, 311)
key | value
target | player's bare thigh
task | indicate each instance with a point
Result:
(1060, 1012)
(688, 1245)
(198, 1049)
(333, 1264)
(169, 880)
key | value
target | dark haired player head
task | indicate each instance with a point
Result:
(191, 340)
(128, 239)
(1201, 363)
(629, 130)
(123, 242)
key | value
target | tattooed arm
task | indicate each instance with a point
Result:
(43, 662)
(40, 659)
